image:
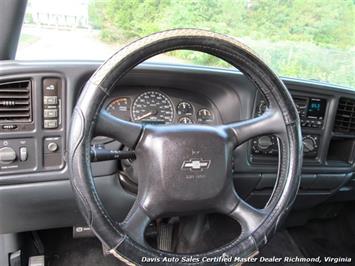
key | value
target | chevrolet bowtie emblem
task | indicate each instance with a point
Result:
(196, 164)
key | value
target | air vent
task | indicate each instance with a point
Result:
(15, 101)
(345, 117)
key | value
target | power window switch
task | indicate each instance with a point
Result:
(50, 113)
(23, 154)
(50, 123)
(50, 100)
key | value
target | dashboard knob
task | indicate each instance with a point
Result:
(7, 155)
(308, 144)
(264, 142)
(52, 147)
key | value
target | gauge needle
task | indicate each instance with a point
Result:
(144, 116)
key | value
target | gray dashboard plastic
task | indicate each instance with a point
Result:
(51, 204)
(44, 200)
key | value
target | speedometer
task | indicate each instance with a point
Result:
(152, 107)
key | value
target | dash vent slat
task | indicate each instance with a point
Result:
(345, 116)
(15, 101)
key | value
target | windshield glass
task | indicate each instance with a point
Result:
(297, 38)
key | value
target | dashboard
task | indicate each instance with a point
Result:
(162, 106)
(37, 100)
(311, 110)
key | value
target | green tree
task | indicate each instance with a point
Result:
(300, 38)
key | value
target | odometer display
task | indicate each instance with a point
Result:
(152, 106)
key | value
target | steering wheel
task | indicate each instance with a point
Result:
(184, 169)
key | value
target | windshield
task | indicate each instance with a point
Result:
(297, 38)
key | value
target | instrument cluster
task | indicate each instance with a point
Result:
(156, 107)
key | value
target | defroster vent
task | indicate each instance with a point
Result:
(15, 101)
(345, 116)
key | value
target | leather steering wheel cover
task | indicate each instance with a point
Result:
(110, 73)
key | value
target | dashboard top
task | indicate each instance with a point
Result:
(24, 65)
(173, 93)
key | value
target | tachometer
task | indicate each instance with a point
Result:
(152, 107)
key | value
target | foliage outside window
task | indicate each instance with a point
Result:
(309, 39)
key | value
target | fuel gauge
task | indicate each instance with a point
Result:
(184, 108)
(204, 115)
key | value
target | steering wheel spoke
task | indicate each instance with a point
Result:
(248, 217)
(126, 132)
(270, 122)
(135, 223)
